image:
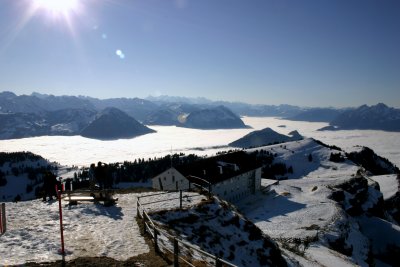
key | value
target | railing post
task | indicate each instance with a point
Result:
(176, 253)
(180, 199)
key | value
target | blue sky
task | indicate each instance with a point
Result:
(308, 53)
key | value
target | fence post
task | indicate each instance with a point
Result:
(156, 240)
(218, 263)
(1, 221)
(180, 199)
(137, 207)
(176, 253)
(3, 218)
(144, 222)
(62, 251)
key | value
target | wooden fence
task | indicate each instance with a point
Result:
(166, 243)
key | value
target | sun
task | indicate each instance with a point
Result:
(58, 7)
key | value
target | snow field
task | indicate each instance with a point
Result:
(90, 229)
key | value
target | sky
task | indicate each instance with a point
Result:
(308, 53)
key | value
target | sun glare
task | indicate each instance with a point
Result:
(58, 6)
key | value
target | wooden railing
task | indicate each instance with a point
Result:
(165, 242)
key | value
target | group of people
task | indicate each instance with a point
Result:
(49, 186)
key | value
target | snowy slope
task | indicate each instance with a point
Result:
(389, 185)
(17, 184)
(90, 230)
(296, 154)
(300, 215)
(309, 214)
(376, 228)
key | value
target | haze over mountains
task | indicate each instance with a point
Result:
(40, 114)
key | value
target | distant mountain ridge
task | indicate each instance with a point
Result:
(377, 117)
(169, 110)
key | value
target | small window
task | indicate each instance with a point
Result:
(173, 178)
(165, 178)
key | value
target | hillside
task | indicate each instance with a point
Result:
(21, 175)
(264, 137)
(112, 123)
(326, 212)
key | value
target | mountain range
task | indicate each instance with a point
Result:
(377, 117)
(42, 114)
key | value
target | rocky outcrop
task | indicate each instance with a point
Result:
(373, 163)
(359, 196)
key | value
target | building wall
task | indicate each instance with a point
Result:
(239, 186)
(170, 180)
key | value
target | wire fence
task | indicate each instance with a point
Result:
(172, 246)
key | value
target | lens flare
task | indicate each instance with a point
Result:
(58, 6)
